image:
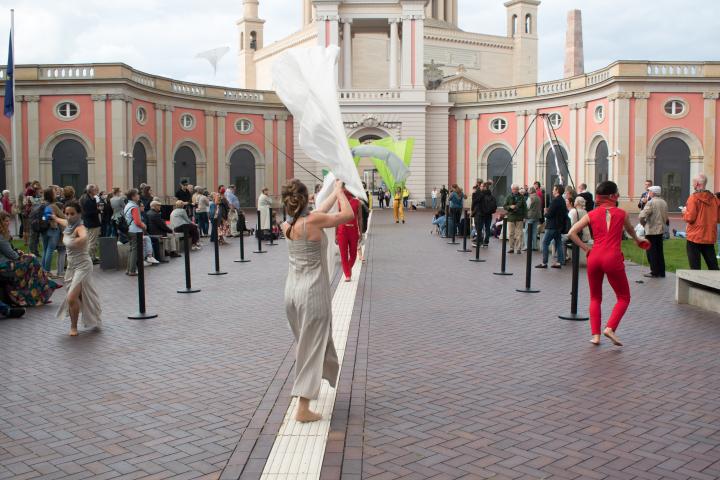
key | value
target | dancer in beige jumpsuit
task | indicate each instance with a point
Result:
(308, 301)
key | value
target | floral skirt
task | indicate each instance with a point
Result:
(30, 285)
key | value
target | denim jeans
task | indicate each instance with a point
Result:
(50, 240)
(550, 236)
(434, 203)
(483, 223)
(203, 222)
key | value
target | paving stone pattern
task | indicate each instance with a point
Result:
(466, 378)
(163, 398)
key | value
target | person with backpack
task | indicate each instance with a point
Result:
(131, 217)
(556, 221)
(485, 208)
(48, 227)
(91, 219)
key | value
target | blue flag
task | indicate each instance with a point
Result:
(9, 74)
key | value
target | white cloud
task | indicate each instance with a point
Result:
(163, 36)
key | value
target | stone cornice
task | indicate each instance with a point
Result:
(327, 18)
(118, 96)
(711, 95)
(282, 117)
(641, 95)
(98, 97)
(210, 113)
(32, 98)
(268, 116)
(221, 114)
(620, 96)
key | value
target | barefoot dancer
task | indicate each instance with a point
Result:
(607, 223)
(81, 294)
(308, 302)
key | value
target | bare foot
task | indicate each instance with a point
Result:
(611, 335)
(307, 416)
(595, 340)
(73, 332)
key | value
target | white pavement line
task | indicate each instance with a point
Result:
(298, 451)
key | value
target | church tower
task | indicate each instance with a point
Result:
(251, 40)
(522, 28)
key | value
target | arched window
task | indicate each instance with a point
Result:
(672, 171)
(514, 25)
(253, 40)
(500, 171)
(528, 23)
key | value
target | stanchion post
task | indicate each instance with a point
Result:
(242, 249)
(258, 232)
(141, 314)
(528, 267)
(574, 292)
(503, 258)
(217, 252)
(454, 227)
(271, 243)
(188, 282)
(477, 247)
(466, 233)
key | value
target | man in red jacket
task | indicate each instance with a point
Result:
(702, 215)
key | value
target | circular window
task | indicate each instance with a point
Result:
(67, 110)
(555, 120)
(676, 108)
(187, 121)
(599, 113)
(498, 125)
(141, 115)
(244, 126)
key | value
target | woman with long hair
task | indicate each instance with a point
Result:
(607, 223)
(308, 301)
(31, 285)
(82, 298)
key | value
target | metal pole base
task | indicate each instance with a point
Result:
(241, 261)
(527, 290)
(453, 243)
(271, 244)
(502, 273)
(477, 260)
(573, 316)
(465, 250)
(142, 316)
(189, 290)
(260, 251)
(217, 273)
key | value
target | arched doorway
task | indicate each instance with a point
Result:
(672, 171)
(3, 177)
(500, 172)
(551, 173)
(69, 165)
(139, 164)
(185, 166)
(602, 167)
(242, 175)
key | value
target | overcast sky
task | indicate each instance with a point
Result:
(163, 36)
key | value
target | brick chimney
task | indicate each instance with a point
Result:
(574, 56)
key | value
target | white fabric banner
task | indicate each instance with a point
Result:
(304, 79)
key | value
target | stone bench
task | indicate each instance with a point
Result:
(698, 287)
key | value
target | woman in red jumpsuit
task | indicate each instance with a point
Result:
(347, 237)
(607, 223)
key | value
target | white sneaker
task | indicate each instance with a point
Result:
(147, 264)
(152, 259)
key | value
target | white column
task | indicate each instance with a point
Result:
(307, 12)
(169, 180)
(282, 144)
(209, 174)
(419, 52)
(532, 150)
(519, 171)
(118, 125)
(223, 165)
(155, 177)
(406, 72)
(33, 129)
(264, 177)
(572, 153)
(394, 39)
(582, 145)
(100, 176)
(347, 53)
(473, 175)
(454, 12)
(710, 125)
(640, 154)
(441, 9)
(460, 168)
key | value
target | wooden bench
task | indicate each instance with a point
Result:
(698, 287)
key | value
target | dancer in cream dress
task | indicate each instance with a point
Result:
(81, 294)
(308, 301)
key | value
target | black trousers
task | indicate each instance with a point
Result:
(707, 250)
(656, 255)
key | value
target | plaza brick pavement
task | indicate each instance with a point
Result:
(163, 398)
(457, 375)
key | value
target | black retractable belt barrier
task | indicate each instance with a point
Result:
(503, 259)
(217, 252)
(188, 283)
(258, 232)
(574, 292)
(271, 242)
(141, 314)
(466, 233)
(528, 267)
